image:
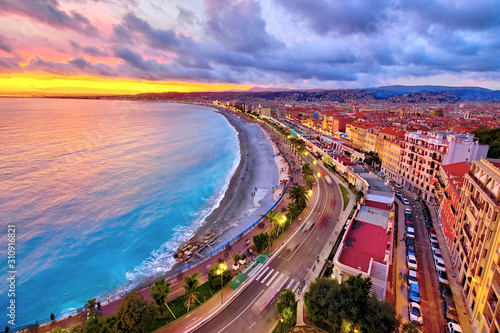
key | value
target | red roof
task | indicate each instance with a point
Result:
(376, 204)
(363, 242)
(456, 169)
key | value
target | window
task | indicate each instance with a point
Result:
(485, 253)
(480, 271)
(490, 234)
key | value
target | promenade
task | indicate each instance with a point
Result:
(242, 245)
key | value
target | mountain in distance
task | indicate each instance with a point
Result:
(412, 89)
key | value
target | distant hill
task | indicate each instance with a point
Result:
(451, 93)
(412, 89)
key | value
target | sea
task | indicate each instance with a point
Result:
(101, 194)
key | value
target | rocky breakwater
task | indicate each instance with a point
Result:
(192, 249)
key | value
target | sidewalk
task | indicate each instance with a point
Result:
(314, 273)
(240, 246)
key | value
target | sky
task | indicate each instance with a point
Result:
(133, 46)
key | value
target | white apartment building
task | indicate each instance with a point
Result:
(422, 153)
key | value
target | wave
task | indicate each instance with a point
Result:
(162, 260)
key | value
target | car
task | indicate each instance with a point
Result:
(453, 328)
(408, 220)
(405, 201)
(442, 277)
(409, 242)
(397, 192)
(414, 293)
(407, 210)
(398, 186)
(415, 313)
(445, 291)
(450, 310)
(412, 277)
(410, 249)
(432, 231)
(410, 232)
(435, 246)
(439, 264)
(408, 215)
(417, 198)
(428, 225)
(411, 262)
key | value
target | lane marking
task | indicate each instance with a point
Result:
(255, 270)
(272, 278)
(286, 279)
(242, 311)
(296, 286)
(298, 247)
(288, 287)
(265, 278)
(263, 272)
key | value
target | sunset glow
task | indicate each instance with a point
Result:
(50, 85)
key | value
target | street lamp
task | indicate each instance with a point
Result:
(281, 323)
(220, 271)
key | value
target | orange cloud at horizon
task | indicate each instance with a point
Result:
(27, 84)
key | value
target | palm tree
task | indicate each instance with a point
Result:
(293, 210)
(91, 303)
(159, 293)
(298, 194)
(191, 282)
(272, 217)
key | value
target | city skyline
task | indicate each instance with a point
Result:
(111, 47)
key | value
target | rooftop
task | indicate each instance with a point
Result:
(363, 242)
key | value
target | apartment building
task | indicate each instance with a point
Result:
(390, 157)
(423, 153)
(476, 249)
(357, 134)
(448, 188)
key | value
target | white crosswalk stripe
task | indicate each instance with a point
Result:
(268, 274)
(290, 284)
(272, 278)
(296, 286)
(286, 279)
(255, 270)
(265, 270)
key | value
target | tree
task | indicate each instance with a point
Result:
(91, 304)
(261, 241)
(93, 325)
(160, 291)
(341, 306)
(298, 194)
(214, 278)
(307, 169)
(287, 306)
(133, 314)
(272, 217)
(293, 211)
(409, 328)
(191, 282)
(309, 179)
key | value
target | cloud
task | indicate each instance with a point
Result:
(239, 25)
(90, 50)
(48, 12)
(5, 44)
(9, 65)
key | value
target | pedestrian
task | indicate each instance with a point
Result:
(52, 318)
(108, 299)
(7, 328)
(98, 305)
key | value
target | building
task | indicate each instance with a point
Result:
(448, 188)
(366, 246)
(423, 153)
(357, 134)
(390, 159)
(476, 249)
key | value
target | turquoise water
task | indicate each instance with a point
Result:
(102, 193)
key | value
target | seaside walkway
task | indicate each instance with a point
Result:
(241, 246)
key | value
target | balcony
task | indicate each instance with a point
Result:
(465, 250)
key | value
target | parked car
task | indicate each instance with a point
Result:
(408, 220)
(412, 277)
(411, 262)
(439, 264)
(442, 277)
(398, 186)
(435, 246)
(445, 291)
(408, 215)
(415, 313)
(453, 328)
(407, 210)
(410, 241)
(450, 310)
(432, 231)
(410, 232)
(414, 293)
(405, 201)
(410, 249)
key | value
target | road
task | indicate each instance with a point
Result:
(429, 292)
(253, 310)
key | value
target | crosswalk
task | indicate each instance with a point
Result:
(268, 275)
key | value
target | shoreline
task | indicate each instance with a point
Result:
(253, 189)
